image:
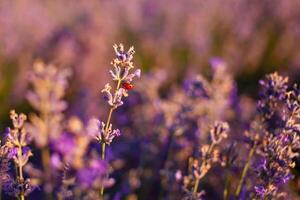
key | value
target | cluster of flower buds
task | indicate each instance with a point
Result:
(275, 85)
(123, 58)
(103, 134)
(209, 155)
(278, 154)
(279, 147)
(274, 88)
(122, 74)
(219, 131)
(5, 178)
(17, 141)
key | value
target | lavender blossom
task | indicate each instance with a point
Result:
(46, 97)
(103, 135)
(17, 141)
(209, 154)
(116, 100)
(5, 177)
(48, 88)
(274, 89)
(275, 138)
(122, 75)
(279, 150)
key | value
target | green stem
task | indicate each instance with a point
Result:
(196, 185)
(245, 170)
(226, 188)
(20, 170)
(103, 151)
(106, 129)
(46, 157)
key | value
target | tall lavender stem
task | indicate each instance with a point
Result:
(106, 129)
(245, 170)
(122, 75)
(21, 171)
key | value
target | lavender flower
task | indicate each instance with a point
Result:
(48, 88)
(278, 151)
(114, 100)
(209, 155)
(46, 96)
(275, 138)
(219, 132)
(5, 178)
(103, 135)
(122, 75)
(274, 89)
(123, 58)
(17, 141)
(122, 66)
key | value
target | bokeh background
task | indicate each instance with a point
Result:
(253, 37)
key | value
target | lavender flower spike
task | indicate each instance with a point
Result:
(17, 141)
(121, 73)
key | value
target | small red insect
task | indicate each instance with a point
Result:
(127, 86)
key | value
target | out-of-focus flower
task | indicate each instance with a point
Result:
(274, 88)
(48, 88)
(197, 88)
(93, 174)
(209, 155)
(219, 132)
(65, 192)
(5, 177)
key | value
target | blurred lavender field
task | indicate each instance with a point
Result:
(205, 106)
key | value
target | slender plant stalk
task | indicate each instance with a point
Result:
(103, 151)
(196, 185)
(45, 158)
(45, 162)
(46, 154)
(226, 188)
(20, 171)
(106, 129)
(245, 170)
